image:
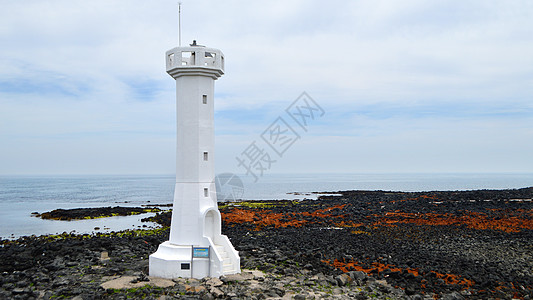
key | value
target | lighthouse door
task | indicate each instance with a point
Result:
(209, 224)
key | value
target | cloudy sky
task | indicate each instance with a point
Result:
(405, 86)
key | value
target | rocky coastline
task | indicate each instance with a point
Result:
(94, 213)
(357, 245)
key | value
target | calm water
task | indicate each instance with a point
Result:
(22, 195)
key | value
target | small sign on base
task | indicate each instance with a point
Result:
(201, 252)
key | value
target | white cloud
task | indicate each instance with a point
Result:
(389, 75)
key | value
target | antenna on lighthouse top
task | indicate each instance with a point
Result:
(179, 22)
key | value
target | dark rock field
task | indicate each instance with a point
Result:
(359, 245)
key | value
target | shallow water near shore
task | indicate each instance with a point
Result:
(22, 195)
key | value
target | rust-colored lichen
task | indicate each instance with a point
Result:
(493, 219)
(261, 218)
(322, 213)
(348, 224)
(379, 267)
(358, 266)
(507, 222)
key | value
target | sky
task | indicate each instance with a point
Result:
(398, 86)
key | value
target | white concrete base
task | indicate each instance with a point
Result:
(171, 261)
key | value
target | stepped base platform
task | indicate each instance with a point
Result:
(175, 261)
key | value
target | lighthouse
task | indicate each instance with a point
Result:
(196, 247)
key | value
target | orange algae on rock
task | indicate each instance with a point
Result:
(358, 266)
(379, 267)
(510, 222)
(348, 224)
(264, 217)
(260, 218)
(321, 213)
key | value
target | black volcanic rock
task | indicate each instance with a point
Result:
(449, 245)
(92, 213)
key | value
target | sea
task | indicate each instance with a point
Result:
(23, 196)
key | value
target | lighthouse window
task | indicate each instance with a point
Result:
(171, 59)
(205, 156)
(187, 58)
(206, 192)
(204, 99)
(210, 58)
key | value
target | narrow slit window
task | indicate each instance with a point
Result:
(185, 266)
(204, 99)
(206, 192)
(206, 156)
(171, 59)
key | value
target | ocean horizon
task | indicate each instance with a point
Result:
(21, 195)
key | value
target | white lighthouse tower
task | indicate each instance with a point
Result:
(196, 247)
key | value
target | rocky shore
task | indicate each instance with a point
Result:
(359, 245)
(94, 213)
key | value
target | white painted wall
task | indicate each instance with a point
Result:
(195, 70)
